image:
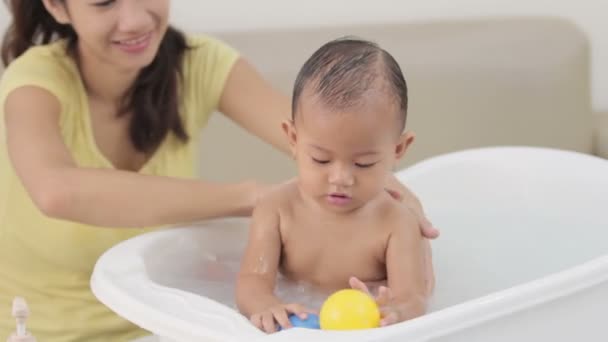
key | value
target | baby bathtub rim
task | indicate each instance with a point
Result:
(438, 323)
(439, 160)
(434, 324)
(116, 298)
(541, 290)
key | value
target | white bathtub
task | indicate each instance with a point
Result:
(523, 256)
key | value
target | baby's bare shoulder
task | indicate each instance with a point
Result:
(279, 197)
(396, 215)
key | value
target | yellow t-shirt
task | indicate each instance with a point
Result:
(49, 262)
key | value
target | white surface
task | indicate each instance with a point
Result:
(523, 256)
(231, 15)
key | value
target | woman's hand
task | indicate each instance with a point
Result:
(399, 192)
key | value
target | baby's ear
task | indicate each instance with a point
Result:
(405, 140)
(290, 132)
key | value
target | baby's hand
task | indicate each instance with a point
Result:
(389, 313)
(267, 320)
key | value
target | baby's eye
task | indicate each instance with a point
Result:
(103, 3)
(320, 161)
(365, 165)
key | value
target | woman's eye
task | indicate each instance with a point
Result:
(365, 165)
(320, 161)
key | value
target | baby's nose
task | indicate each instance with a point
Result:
(341, 176)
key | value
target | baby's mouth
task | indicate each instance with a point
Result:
(338, 198)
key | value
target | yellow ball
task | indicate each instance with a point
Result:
(349, 310)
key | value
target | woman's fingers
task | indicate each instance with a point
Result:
(427, 229)
(395, 194)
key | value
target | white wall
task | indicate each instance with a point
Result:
(222, 15)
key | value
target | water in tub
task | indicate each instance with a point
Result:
(213, 274)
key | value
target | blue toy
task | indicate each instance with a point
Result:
(311, 321)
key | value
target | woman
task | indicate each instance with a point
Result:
(101, 121)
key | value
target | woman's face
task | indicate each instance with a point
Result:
(124, 33)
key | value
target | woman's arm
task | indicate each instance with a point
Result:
(255, 105)
(103, 197)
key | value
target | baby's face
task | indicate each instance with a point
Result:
(345, 158)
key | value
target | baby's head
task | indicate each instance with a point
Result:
(349, 109)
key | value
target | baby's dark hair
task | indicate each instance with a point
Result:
(342, 71)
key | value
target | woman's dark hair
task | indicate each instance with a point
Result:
(153, 98)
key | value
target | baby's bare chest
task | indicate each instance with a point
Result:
(328, 253)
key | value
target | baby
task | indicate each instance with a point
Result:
(335, 226)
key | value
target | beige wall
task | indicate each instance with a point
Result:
(230, 15)
(601, 138)
(472, 83)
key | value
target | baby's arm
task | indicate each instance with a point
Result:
(259, 266)
(406, 272)
(256, 280)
